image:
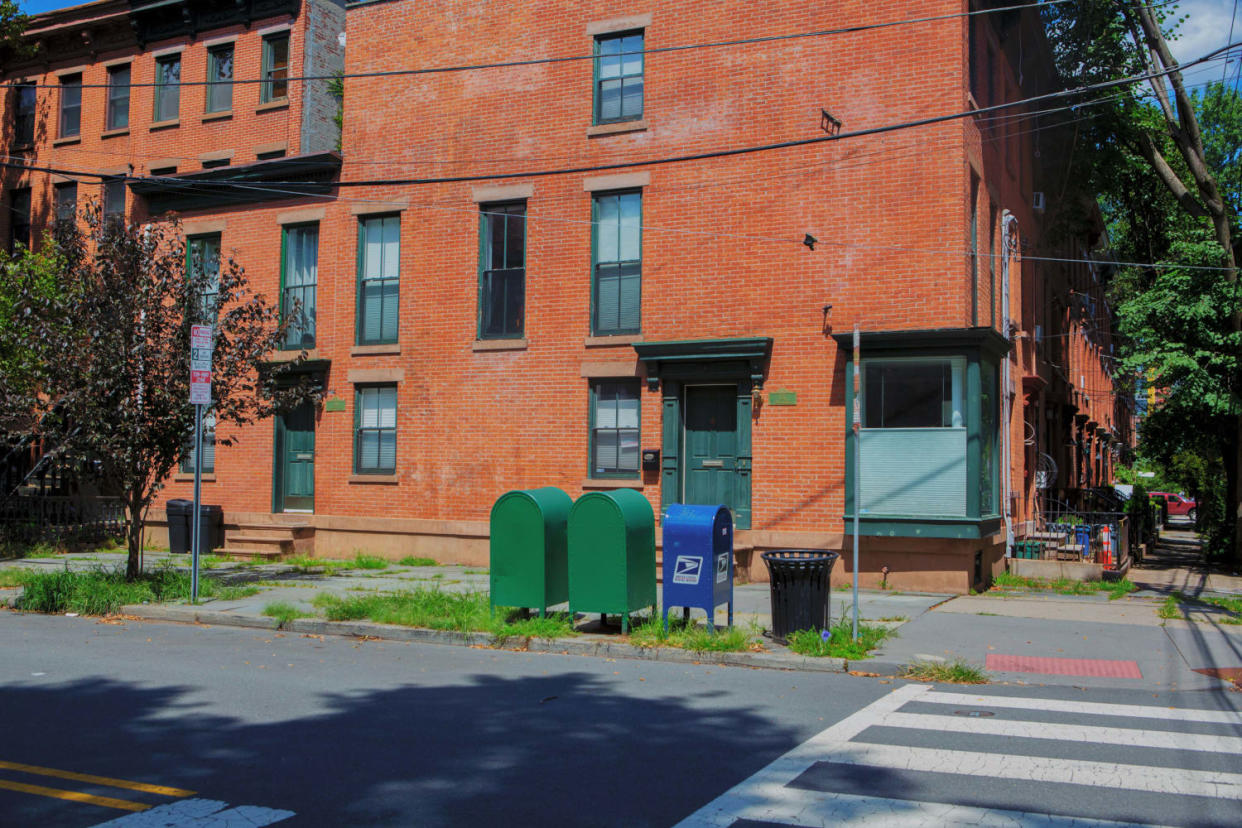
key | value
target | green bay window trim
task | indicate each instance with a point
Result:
(614, 429)
(24, 104)
(118, 97)
(619, 77)
(275, 86)
(203, 269)
(70, 106)
(375, 430)
(379, 268)
(299, 279)
(502, 271)
(167, 88)
(209, 448)
(616, 248)
(220, 79)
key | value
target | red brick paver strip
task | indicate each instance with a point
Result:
(1098, 667)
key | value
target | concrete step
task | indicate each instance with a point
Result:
(265, 553)
(272, 530)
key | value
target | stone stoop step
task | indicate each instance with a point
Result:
(268, 541)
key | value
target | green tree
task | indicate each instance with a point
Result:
(99, 368)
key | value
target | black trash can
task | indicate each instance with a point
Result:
(179, 512)
(211, 526)
(799, 586)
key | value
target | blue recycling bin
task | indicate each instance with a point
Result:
(698, 560)
(1083, 539)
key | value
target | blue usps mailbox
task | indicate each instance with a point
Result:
(698, 560)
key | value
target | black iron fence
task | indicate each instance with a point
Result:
(61, 519)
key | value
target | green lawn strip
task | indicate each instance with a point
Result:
(103, 591)
(649, 632)
(285, 612)
(839, 641)
(435, 609)
(1175, 606)
(333, 566)
(953, 672)
(1065, 586)
(410, 560)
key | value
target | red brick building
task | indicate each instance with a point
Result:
(596, 260)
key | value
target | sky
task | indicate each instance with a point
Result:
(1207, 27)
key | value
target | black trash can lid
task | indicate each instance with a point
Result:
(211, 509)
(180, 504)
(799, 555)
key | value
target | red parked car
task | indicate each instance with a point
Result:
(1179, 506)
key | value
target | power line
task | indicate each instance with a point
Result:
(510, 64)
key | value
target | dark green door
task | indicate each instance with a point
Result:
(295, 461)
(711, 445)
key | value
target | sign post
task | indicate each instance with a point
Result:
(857, 463)
(201, 345)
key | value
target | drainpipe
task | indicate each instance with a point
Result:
(1007, 221)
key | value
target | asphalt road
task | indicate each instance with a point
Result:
(223, 727)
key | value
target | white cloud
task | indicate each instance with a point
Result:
(1206, 28)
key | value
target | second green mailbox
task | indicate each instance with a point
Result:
(612, 554)
(528, 549)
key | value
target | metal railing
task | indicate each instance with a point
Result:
(60, 519)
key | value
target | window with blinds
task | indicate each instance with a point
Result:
(502, 271)
(209, 448)
(617, 224)
(379, 268)
(375, 430)
(619, 78)
(299, 280)
(614, 429)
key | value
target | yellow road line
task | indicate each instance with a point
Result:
(74, 796)
(97, 780)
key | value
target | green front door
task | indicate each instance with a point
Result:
(711, 467)
(295, 461)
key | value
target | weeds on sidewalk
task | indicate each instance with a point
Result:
(1175, 605)
(102, 591)
(437, 610)
(838, 641)
(284, 612)
(410, 560)
(689, 635)
(1064, 586)
(953, 672)
(333, 566)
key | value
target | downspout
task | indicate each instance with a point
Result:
(1007, 220)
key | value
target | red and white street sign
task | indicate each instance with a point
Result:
(200, 364)
(200, 336)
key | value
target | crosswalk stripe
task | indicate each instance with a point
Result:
(1180, 781)
(108, 781)
(1065, 732)
(796, 807)
(1133, 711)
(73, 796)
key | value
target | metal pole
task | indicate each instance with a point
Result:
(195, 539)
(857, 464)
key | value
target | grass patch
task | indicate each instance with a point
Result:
(838, 641)
(362, 561)
(475, 572)
(410, 560)
(953, 672)
(1172, 607)
(553, 625)
(435, 609)
(14, 577)
(284, 612)
(103, 591)
(333, 566)
(1065, 586)
(1169, 609)
(692, 636)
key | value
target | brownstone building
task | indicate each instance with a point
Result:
(600, 245)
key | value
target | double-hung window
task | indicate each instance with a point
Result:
(619, 78)
(502, 271)
(220, 79)
(275, 86)
(618, 266)
(19, 219)
(209, 448)
(114, 199)
(70, 106)
(66, 201)
(299, 278)
(379, 268)
(375, 430)
(24, 99)
(203, 266)
(614, 429)
(167, 87)
(118, 97)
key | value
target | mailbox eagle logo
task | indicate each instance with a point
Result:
(687, 570)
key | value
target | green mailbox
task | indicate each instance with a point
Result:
(528, 549)
(612, 554)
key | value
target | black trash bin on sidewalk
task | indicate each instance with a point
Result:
(211, 525)
(799, 587)
(179, 512)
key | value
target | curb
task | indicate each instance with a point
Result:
(584, 646)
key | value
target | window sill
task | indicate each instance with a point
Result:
(26, 147)
(217, 116)
(499, 345)
(617, 128)
(380, 479)
(375, 350)
(612, 339)
(161, 125)
(188, 477)
(283, 103)
(114, 133)
(68, 139)
(612, 483)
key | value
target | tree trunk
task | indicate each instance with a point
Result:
(133, 535)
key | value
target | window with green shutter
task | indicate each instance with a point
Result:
(203, 269)
(614, 429)
(502, 271)
(618, 271)
(379, 268)
(299, 279)
(209, 448)
(375, 430)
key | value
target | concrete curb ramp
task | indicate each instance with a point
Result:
(583, 646)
